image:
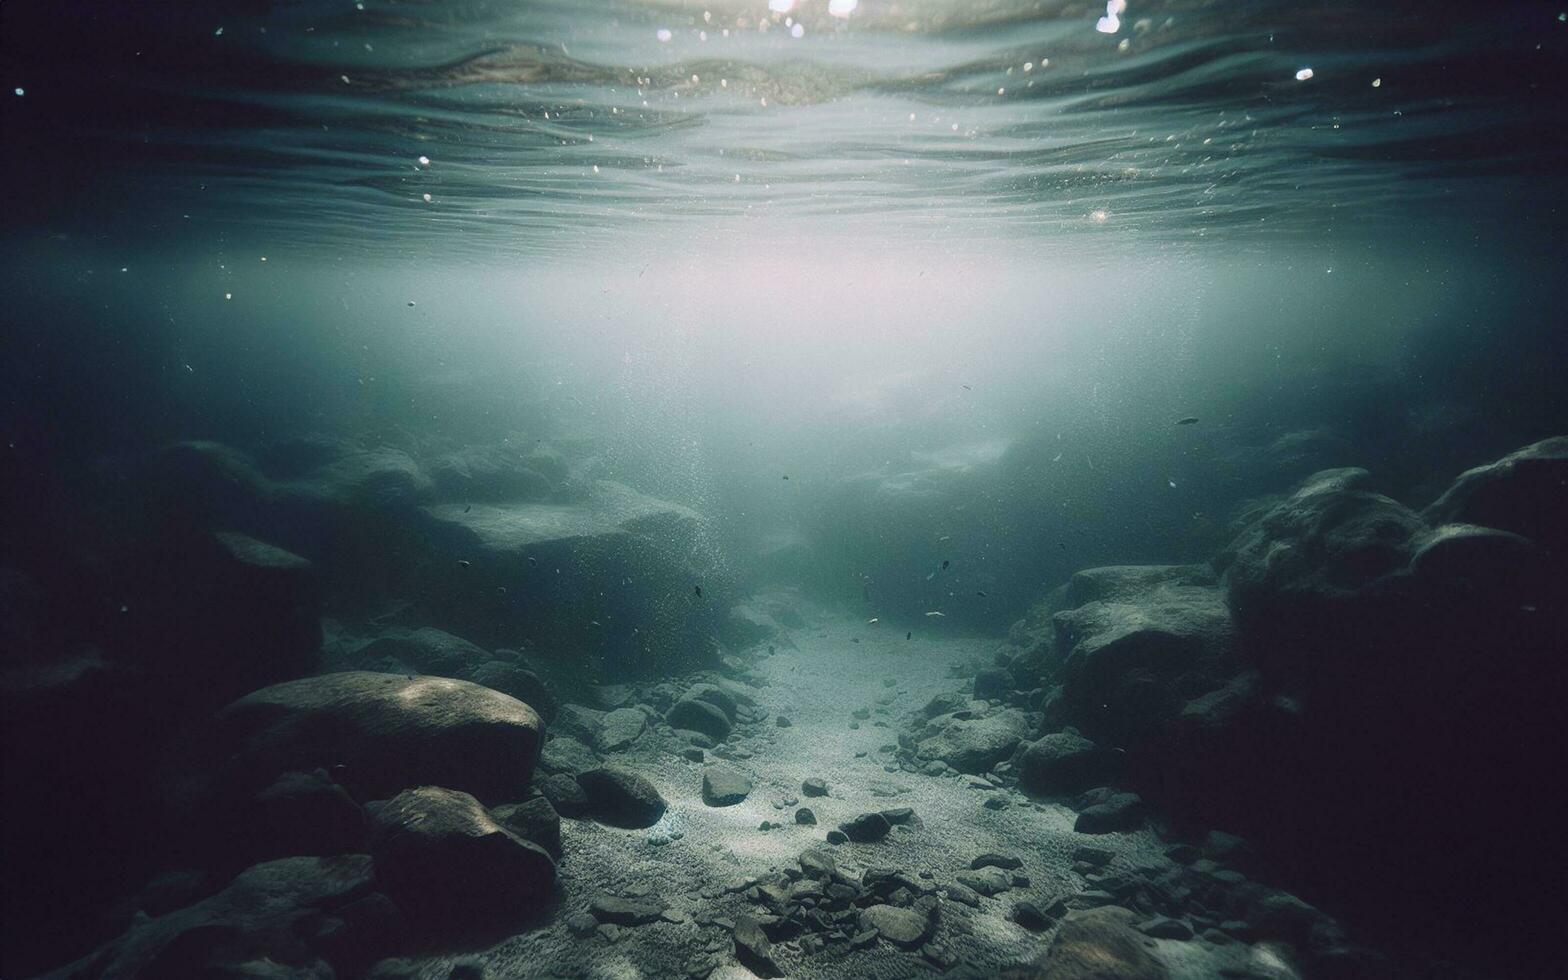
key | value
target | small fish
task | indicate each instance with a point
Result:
(967, 388)
(532, 560)
(410, 302)
(931, 576)
(462, 563)
(500, 590)
(980, 593)
(699, 590)
(593, 622)
(1187, 420)
(873, 621)
(945, 563)
(786, 476)
(469, 507)
(945, 537)
(909, 635)
(854, 639)
(935, 613)
(1172, 483)
(1057, 458)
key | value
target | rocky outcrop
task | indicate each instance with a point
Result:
(382, 733)
(971, 741)
(442, 858)
(310, 916)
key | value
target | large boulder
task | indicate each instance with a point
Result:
(1144, 639)
(699, 715)
(1065, 762)
(1100, 944)
(381, 733)
(534, 819)
(422, 651)
(301, 913)
(1525, 492)
(604, 581)
(972, 743)
(444, 859)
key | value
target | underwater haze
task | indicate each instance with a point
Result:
(813, 488)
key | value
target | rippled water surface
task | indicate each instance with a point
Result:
(497, 126)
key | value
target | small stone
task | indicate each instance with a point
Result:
(581, 924)
(900, 926)
(782, 721)
(986, 881)
(626, 911)
(693, 754)
(837, 837)
(752, 947)
(997, 802)
(899, 816)
(1006, 862)
(861, 714)
(805, 816)
(814, 786)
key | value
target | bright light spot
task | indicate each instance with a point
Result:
(1303, 74)
(218, 32)
(427, 198)
(1001, 91)
(663, 34)
(798, 30)
(228, 295)
(1098, 216)
(1124, 44)
(424, 161)
(781, 6)
(1377, 83)
(1028, 66)
(1111, 22)
(596, 168)
(842, 8)
(20, 91)
(695, 79)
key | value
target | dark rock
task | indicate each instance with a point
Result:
(621, 798)
(752, 947)
(699, 716)
(1099, 857)
(723, 786)
(1161, 927)
(782, 721)
(564, 793)
(866, 828)
(1100, 944)
(563, 753)
(520, 682)
(274, 910)
(901, 816)
(693, 755)
(440, 856)
(1065, 763)
(301, 813)
(380, 733)
(814, 787)
(581, 924)
(986, 881)
(805, 816)
(1122, 812)
(619, 729)
(992, 684)
(533, 820)
(1030, 916)
(837, 837)
(626, 911)
(818, 863)
(1524, 492)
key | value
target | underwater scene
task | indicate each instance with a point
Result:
(618, 489)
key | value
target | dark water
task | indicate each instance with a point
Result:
(905, 307)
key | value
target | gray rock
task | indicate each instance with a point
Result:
(441, 857)
(723, 786)
(986, 881)
(805, 816)
(752, 947)
(901, 926)
(564, 753)
(1524, 492)
(1099, 944)
(626, 911)
(972, 744)
(866, 828)
(1121, 812)
(621, 798)
(1065, 763)
(564, 794)
(1006, 862)
(381, 733)
(814, 787)
(533, 820)
(699, 716)
(620, 729)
